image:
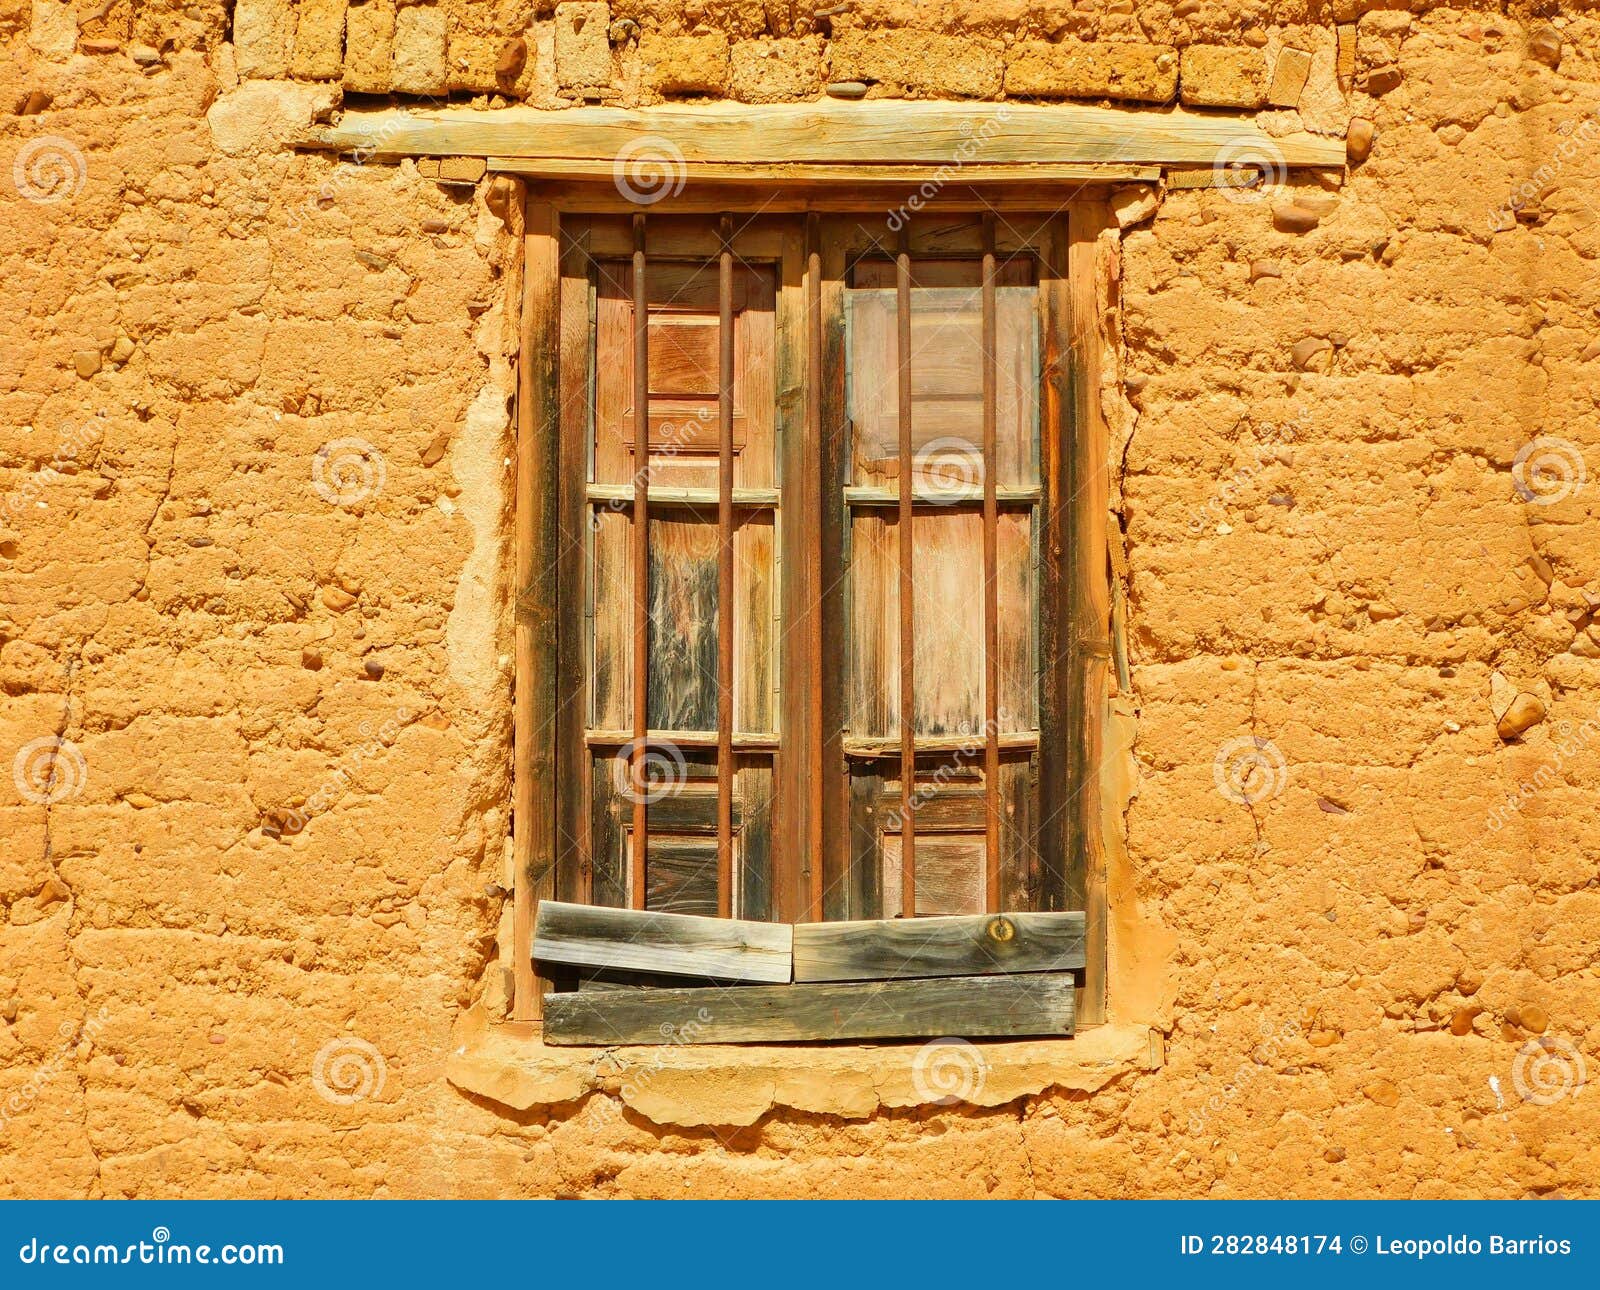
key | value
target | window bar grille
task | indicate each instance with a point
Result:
(813, 283)
(908, 739)
(641, 566)
(991, 592)
(725, 572)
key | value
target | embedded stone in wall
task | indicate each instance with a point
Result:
(1077, 69)
(919, 64)
(1289, 77)
(776, 71)
(319, 40)
(419, 50)
(1223, 76)
(369, 47)
(263, 33)
(583, 49)
(684, 64)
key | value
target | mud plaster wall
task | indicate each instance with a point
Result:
(1326, 548)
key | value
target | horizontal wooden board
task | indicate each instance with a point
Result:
(920, 947)
(971, 1007)
(725, 949)
(830, 132)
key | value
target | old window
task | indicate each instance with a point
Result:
(887, 572)
(813, 523)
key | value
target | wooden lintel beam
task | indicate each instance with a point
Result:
(963, 136)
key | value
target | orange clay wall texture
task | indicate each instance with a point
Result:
(255, 639)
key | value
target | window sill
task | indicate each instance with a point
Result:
(735, 1085)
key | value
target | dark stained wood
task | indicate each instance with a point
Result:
(986, 944)
(972, 1007)
(641, 567)
(534, 703)
(839, 900)
(813, 509)
(574, 867)
(725, 949)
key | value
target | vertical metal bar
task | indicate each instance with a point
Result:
(908, 740)
(811, 515)
(991, 591)
(641, 563)
(725, 572)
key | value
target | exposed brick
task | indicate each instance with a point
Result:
(1076, 69)
(419, 50)
(263, 34)
(319, 40)
(684, 64)
(776, 71)
(919, 63)
(1223, 76)
(369, 47)
(583, 49)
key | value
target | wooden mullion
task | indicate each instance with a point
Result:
(991, 591)
(840, 894)
(725, 572)
(641, 565)
(535, 696)
(574, 768)
(908, 743)
(814, 506)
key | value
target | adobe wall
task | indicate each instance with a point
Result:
(254, 549)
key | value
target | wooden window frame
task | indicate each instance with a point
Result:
(810, 304)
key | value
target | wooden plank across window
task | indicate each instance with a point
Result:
(974, 1006)
(898, 948)
(722, 949)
